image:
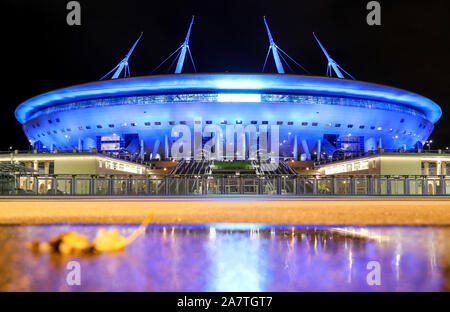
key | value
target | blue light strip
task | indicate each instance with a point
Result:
(231, 83)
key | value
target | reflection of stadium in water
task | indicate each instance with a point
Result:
(240, 257)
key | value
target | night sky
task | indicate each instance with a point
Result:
(40, 52)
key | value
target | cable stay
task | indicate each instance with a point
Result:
(332, 65)
(180, 57)
(278, 58)
(123, 65)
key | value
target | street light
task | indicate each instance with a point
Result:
(429, 144)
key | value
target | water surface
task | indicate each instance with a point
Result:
(235, 257)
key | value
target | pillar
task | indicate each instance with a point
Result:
(142, 150)
(319, 149)
(166, 147)
(306, 149)
(155, 149)
(295, 149)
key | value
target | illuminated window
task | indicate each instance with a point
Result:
(379, 128)
(223, 122)
(80, 128)
(328, 124)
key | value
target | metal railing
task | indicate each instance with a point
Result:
(72, 185)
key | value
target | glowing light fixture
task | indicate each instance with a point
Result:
(238, 97)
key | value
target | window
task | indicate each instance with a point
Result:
(157, 123)
(54, 131)
(57, 120)
(48, 132)
(265, 122)
(315, 124)
(337, 125)
(372, 127)
(99, 126)
(350, 126)
(304, 123)
(290, 123)
(133, 124)
(197, 122)
(62, 130)
(379, 128)
(223, 122)
(124, 124)
(171, 123)
(208, 122)
(88, 127)
(328, 124)
(182, 122)
(111, 125)
(279, 123)
(239, 122)
(147, 123)
(80, 128)
(38, 124)
(253, 122)
(49, 121)
(361, 127)
(68, 129)
(402, 120)
(390, 130)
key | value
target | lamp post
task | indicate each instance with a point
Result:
(429, 144)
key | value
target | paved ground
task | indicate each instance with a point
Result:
(210, 209)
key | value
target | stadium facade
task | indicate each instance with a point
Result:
(316, 117)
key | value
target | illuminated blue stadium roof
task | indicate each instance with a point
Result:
(223, 83)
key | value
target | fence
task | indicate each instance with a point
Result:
(223, 184)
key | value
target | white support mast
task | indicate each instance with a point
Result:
(123, 65)
(332, 65)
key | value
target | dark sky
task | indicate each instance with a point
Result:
(40, 52)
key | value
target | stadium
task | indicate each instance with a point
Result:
(317, 117)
